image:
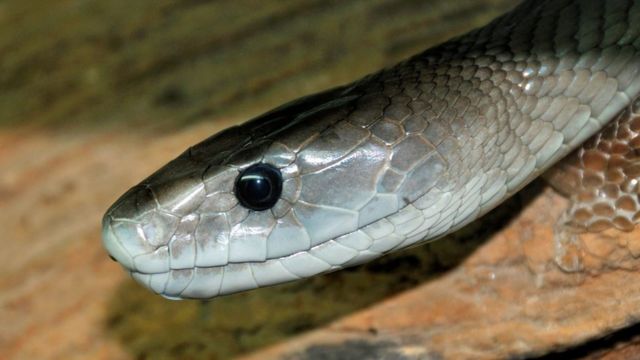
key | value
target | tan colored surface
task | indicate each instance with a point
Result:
(56, 278)
(506, 300)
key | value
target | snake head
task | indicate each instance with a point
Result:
(328, 181)
(274, 200)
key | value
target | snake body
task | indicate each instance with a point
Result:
(402, 156)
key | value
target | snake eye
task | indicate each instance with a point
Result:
(259, 186)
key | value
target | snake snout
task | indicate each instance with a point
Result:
(136, 233)
(114, 246)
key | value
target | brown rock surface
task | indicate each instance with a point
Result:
(56, 280)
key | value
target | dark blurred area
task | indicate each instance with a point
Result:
(80, 62)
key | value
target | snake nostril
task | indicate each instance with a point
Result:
(112, 258)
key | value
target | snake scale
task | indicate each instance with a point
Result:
(403, 156)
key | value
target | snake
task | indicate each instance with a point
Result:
(400, 157)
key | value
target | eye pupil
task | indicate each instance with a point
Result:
(259, 186)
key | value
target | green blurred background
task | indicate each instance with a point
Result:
(73, 62)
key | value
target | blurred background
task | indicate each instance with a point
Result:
(95, 95)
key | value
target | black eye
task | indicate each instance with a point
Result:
(259, 186)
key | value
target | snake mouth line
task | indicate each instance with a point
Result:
(199, 282)
(211, 281)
